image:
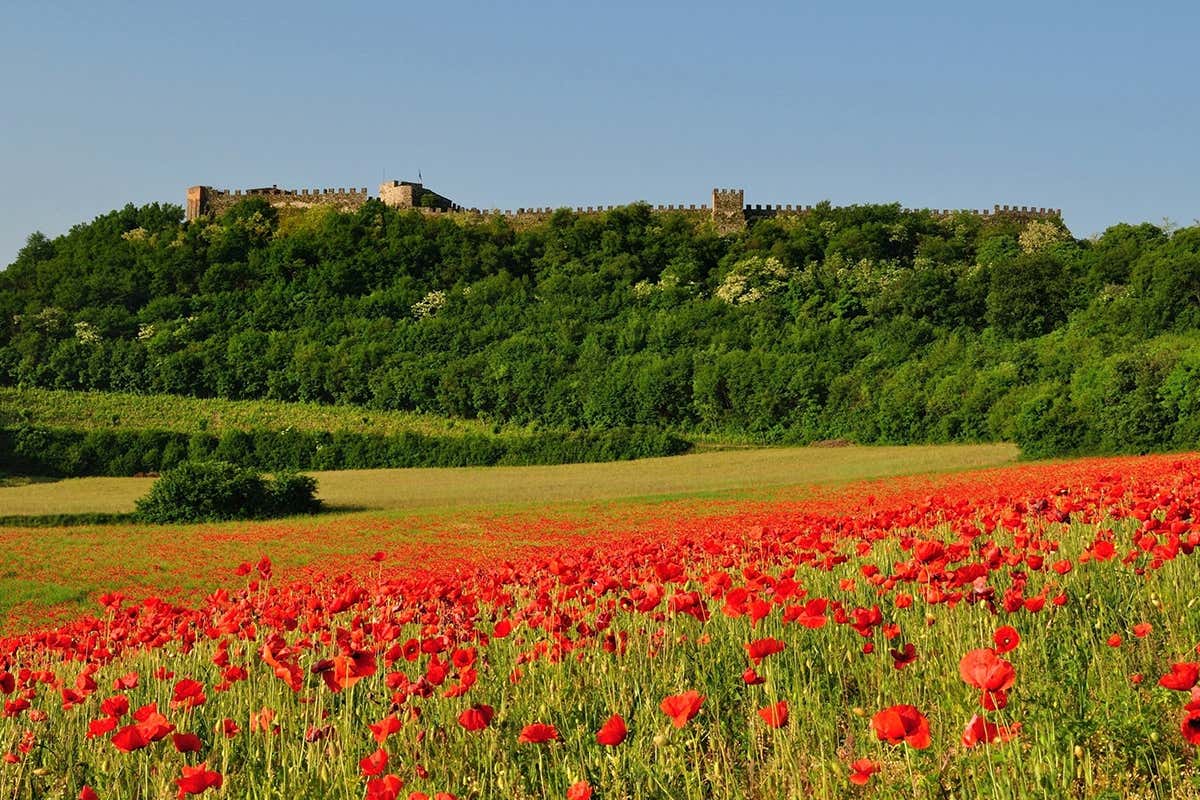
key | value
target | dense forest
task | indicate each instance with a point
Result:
(868, 323)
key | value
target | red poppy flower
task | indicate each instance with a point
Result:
(285, 669)
(186, 742)
(381, 730)
(682, 707)
(1115, 640)
(127, 681)
(861, 771)
(993, 700)
(188, 694)
(198, 779)
(927, 550)
(1006, 638)
(375, 763)
(983, 669)
(343, 671)
(115, 706)
(761, 648)
(386, 788)
(88, 793)
(1142, 629)
(1190, 726)
(463, 658)
(503, 628)
(903, 657)
(129, 739)
(812, 615)
(775, 715)
(1182, 677)
(477, 717)
(612, 732)
(101, 727)
(580, 790)
(752, 678)
(980, 731)
(902, 723)
(537, 733)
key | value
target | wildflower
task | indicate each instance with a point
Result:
(682, 707)
(902, 723)
(537, 733)
(477, 717)
(612, 732)
(776, 715)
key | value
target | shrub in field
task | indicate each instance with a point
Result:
(205, 491)
(292, 493)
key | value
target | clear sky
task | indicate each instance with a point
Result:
(1092, 107)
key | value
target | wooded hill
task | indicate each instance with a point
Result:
(868, 323)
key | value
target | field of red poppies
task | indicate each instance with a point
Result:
(1023, 632)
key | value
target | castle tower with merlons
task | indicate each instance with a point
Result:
(728, 212)
(728, 209)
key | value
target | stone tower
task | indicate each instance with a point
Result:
(406, 194)
(197, 202)
(729, 210)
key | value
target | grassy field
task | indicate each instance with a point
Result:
(111, 410)
(419, 516)
(730, 472)
(1022, 631)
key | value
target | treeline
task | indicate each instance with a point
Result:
(866, 323)
(73, 453)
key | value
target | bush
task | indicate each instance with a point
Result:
(292, 493)
(208, 491)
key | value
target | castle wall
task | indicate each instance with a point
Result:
(728, 211)
(727, 219)
(205, 200)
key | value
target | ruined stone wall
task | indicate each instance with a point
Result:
(205, 200)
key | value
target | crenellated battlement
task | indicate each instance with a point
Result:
(728, 212)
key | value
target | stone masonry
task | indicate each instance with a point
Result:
(728, 212)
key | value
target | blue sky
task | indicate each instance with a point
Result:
(1090, 107)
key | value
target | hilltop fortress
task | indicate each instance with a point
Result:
(728, 209)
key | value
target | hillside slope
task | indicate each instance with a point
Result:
(867, 323)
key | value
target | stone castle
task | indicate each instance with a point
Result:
(728, 210)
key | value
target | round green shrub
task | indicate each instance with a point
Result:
(209, 491)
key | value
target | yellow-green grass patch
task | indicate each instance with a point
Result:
(52, 408)
(729, 472)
